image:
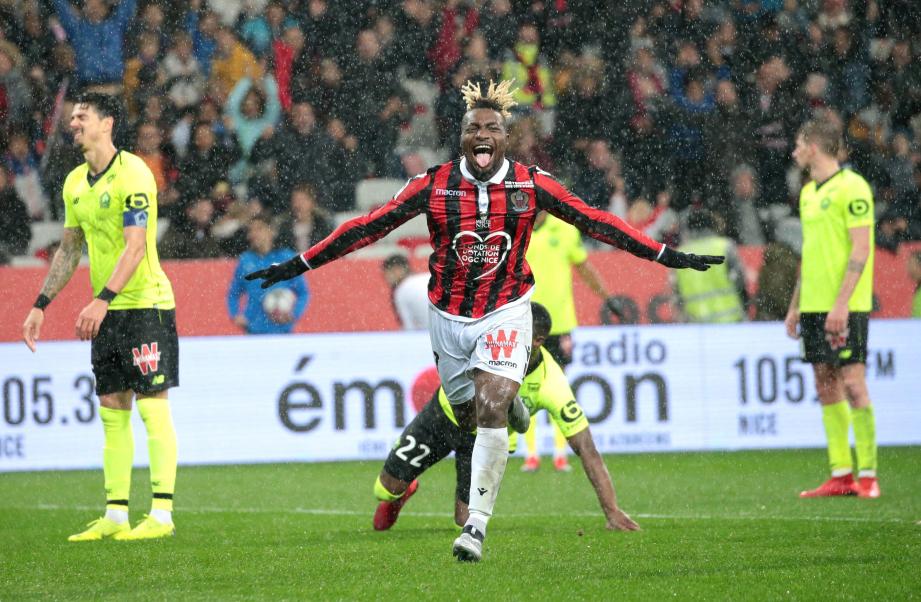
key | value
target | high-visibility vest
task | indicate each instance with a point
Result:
(711, 296)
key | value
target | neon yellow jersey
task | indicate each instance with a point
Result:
(544, 388)
(554, 248)
(828, 211)
(124, 194)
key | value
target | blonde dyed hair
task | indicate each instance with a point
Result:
(498, 97)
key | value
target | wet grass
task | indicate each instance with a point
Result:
(715, 526)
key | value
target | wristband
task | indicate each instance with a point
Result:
(106, 294)
(42, 302)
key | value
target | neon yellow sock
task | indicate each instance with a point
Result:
(161, 444)
(837, 420)
(381, 492)
(117, 456)
(530, 438)
(865, 440)
(560, 445)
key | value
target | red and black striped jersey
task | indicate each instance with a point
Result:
(479, 232)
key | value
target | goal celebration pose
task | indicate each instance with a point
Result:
(481, 210)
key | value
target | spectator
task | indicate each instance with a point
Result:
(299, 150)
(689, 114)
(305, 224)
(144, 74)
(15, 231)
(498, 24)
(775, 113)
(776, 281)
(345, 166)
(152, 21)
(205, 164)
(185, 81)
(409, 292)
(203, 29)
(259, 316)
(260, 29)
(252, 111)
(291, 65)
(525, 145)
(416, 30)
(149, 147)
(726, 138)
(232, 62)
(717, 295)
(741, 216)
(524, 63)
(97, 39)
(22, 161)
(39, 43)
(15, 96)
(189, 235)
(595, 183)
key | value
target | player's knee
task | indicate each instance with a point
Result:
(855, 387)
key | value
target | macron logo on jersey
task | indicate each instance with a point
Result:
(146, 358)
(445, 192)
(502, 344)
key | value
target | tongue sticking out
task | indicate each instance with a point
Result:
(482, 159)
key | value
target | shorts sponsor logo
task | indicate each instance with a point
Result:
(503, 343)
(455, 193)
(147, 358)
(502, 364)
(487, 251)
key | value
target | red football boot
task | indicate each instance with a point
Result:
(561, 464)
(387, 512)
(531, 464)
(834, 486)
(868, 487)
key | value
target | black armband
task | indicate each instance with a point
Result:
(106, 294)
(42, 302)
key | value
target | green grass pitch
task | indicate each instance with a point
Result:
(715, 526)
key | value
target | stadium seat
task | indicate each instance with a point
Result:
(374, 192)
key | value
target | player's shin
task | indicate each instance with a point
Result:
(117, 458)
(161, 444)
(490, 455)
(837, 420)
(865, 440)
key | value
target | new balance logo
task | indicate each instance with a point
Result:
(146, 358)
(482, 491)
(502, 343)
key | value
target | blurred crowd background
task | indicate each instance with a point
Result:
(283, 108)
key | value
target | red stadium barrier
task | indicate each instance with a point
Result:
(351, 295)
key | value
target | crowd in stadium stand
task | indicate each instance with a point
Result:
(643, 107)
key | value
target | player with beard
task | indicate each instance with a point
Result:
(481, 209)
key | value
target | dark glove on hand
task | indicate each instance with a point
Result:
(676, 259)
(279, 271)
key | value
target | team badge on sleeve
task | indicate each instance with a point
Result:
(858, 207)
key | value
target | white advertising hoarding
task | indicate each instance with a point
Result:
(348, 396)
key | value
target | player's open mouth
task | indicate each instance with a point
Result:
(482, 154)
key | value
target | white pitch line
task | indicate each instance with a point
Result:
(334, 512)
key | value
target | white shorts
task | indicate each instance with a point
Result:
(499, 343)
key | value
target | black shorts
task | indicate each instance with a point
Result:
(136, 349)
(817, 350)
(428, 439)
(559, 346)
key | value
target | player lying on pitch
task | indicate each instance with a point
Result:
(434, 433)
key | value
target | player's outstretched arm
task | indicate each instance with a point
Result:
(352, 235)
(277, 272)
(554, 198)
(583, 445)
(63, 265)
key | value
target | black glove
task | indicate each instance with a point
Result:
(279, 271)
(676, 259)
